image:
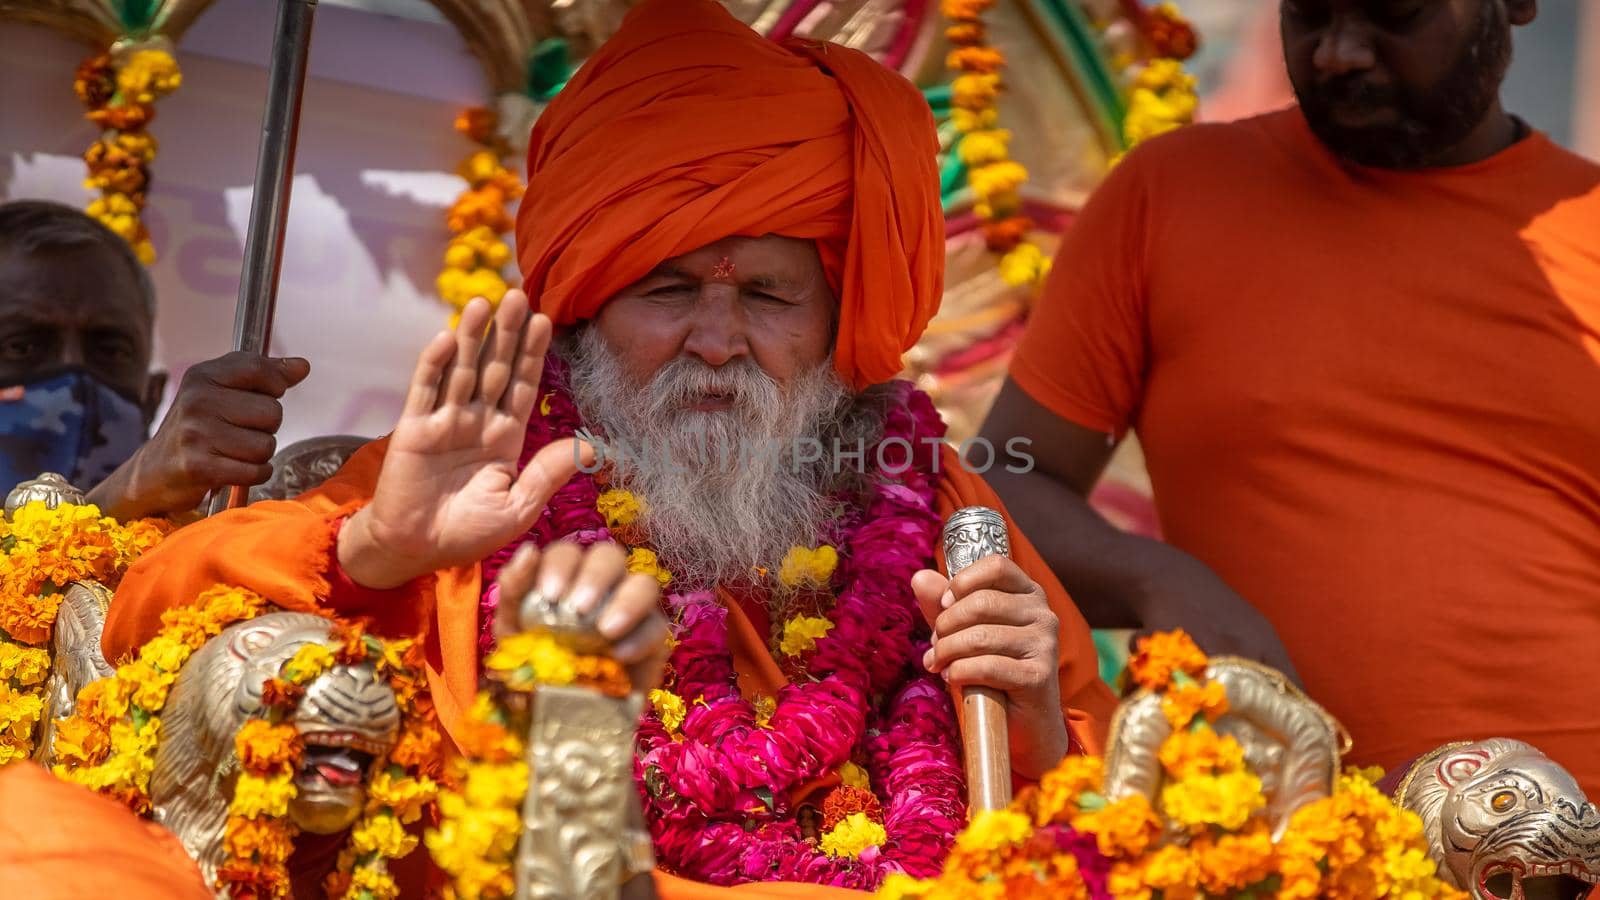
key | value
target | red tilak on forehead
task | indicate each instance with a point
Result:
(724, 270)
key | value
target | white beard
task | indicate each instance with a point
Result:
(724, 491)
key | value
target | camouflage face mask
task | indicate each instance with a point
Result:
(69, 423)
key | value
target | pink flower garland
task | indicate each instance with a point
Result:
(717, 796)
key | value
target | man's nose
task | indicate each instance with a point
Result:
(717, 330)
(72, 351)
(1345, 47)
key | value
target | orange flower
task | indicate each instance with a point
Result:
(419, 749)
(603, 674)
(1163, 654)
(1182, 704)
(80, 741)
(843, 802)
(264, 747)
(1204, 752)
(975, 59)
(1124, 829)
(478, 124)
(1170, 34)
(965, 34)
(95, 81)
(123, 118)
(278, 692)
(964, 9)
(351, 638)
(1004, 235)
(262, 841)
(480, 207)
(29, 617)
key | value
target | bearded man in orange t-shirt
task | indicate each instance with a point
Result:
(1360, 343)
(737, 240)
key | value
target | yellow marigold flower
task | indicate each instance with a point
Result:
(994, 829)
(12, 750)
(980, 148)
(374, 882)
(309, 662)
(458, 255)
(151, 689)
(645, 562)
(1126, 882)
(1123, 829)
(970, 120)
(165, 653)
(268, 797)
(997, 178)
(804, 566)
(852, 775)
(1234, 862)
(800, 634)
(382, 834)
(28, 666)
(1185, 754)
(485, 283)
(1024, 265)
(670, 708)
(1227, 801)
(406, 797)
(496, 784)
(1181, 705)
(80, 741)
(854, 835)
(619, 507)
(532, 658)
(974, 90)
(1173, 871)
(147, 75)
(19, 712)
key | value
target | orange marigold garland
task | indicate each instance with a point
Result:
(42, 551)
(1204, 836)
(120, 89)
(995, 178)
(479, 218)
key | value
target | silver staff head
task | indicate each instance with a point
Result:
(970, 534)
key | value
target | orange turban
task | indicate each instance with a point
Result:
(688, 127)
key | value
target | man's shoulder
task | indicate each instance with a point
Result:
(1219, 148)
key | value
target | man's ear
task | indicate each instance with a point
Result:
(154, 388)
(1521, 12)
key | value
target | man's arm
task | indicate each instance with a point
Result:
(1118, 580)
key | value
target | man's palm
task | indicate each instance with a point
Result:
(449, 493)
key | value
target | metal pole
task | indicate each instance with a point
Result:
(269, 207)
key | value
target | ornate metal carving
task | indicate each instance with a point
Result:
(1288, 740)
(306, 464)
(49, 487)
(972, 533)
(1505, 821)
(348, 718)
(75, 658)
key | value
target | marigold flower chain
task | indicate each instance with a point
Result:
(42, 551)
(120, 90)
(478, 220)
(1205, 837)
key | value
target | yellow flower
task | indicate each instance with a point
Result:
(383, 835)
(496, 784)
(1234, 862)
(28, 666)
(1182, 704)
(1024, 265)
(147, 75)
(1061, 789)
(803, 566)
(980, 148)
(900, 886)
(151, 689)
(620, 508)
(1227, 801)
(532, 658)
(970, 120)
(19, 712)
(12, 750)
(458, 255)
(644, 562)
(1204, 752)
(850, 838)
(852, 775)
(670, 708)
(309, 662)
(404, 796)
(994, 829)
(997, 179)
(800, 634)
(269, 797)
(975, 91)
(1162, 655)
(765, 706)
(165, 653)
(375, 881)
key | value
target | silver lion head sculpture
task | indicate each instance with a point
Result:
(49, 487)
(1505, 822)
(348, 719)
(972, 533)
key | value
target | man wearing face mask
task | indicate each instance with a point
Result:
(1360, 342)
(77, 323)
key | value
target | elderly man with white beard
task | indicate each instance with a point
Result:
(748, 281)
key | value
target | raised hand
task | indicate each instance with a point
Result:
(449, 493)
(595, 584)
(993, 627)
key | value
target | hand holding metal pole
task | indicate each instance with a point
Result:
(269, 205)
(971, 534)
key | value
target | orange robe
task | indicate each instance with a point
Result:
(283, 550)
(59, 841)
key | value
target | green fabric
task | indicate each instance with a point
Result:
(135, 15)
(549, 69)
(1112, 646)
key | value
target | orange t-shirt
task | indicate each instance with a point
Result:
(1370, 401)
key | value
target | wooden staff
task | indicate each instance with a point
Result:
(269, 204)
(971, 534)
